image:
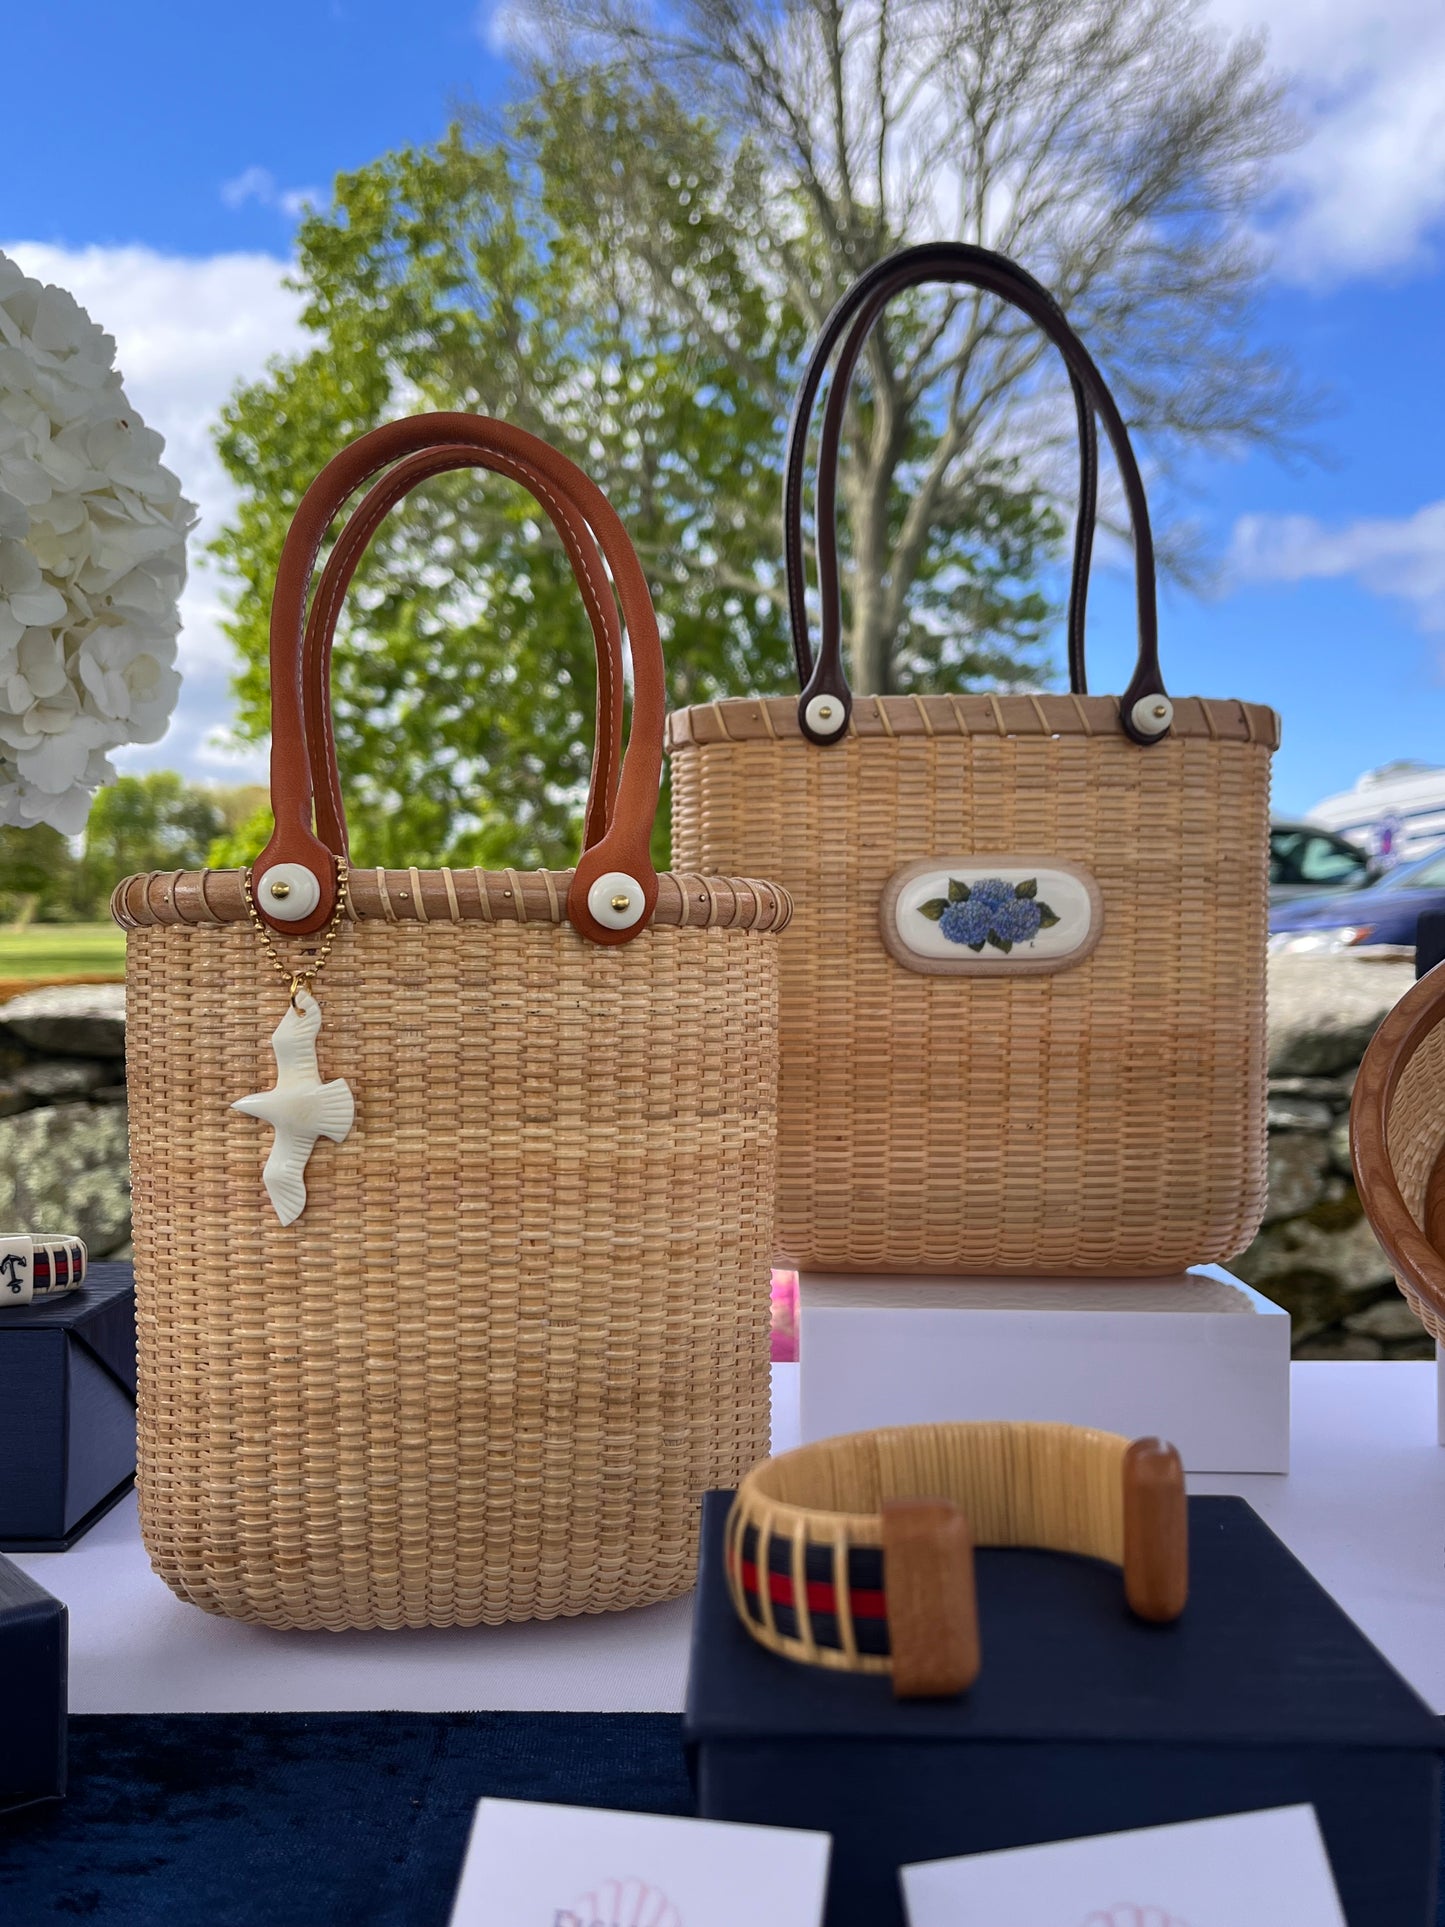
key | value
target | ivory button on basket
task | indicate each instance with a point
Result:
(288, 891)
(1152, 715)
(825, 714)
(616, 900)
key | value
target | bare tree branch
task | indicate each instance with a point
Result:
(1115, 147)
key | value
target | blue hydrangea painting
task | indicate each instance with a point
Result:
(990, 912)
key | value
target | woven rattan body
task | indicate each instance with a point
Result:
(523, 1323)
(1103, 1118)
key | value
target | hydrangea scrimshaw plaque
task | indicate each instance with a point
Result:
(991, 915)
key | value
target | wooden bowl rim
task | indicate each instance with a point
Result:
(1389, 1051)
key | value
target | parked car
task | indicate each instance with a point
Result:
(1382, 912)
(1305, 860)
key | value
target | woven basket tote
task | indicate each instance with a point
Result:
(1023, 990)
(520, 1323)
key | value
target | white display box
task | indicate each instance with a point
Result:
(1200, 1359)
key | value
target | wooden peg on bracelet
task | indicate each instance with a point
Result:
(1156, 1531)
(932, 1600)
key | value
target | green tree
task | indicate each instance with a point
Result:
(153, 822)
(246, 819)
(157, 821)
(521, 275)
(239, 804)
(37, 876)
(633, 265)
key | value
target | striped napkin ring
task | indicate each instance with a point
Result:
(856, 1553)
(32, 1268)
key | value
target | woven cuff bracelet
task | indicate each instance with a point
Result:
(32, 1268)
(857, 1552)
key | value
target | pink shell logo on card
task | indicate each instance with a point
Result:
(1126, 1914)
(620, 1903)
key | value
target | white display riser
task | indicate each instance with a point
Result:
(1200, 1359)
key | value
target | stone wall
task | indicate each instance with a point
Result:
(63, 1144)
(63, 1154)
(1316, 1254)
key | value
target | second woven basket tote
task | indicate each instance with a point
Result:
(453, 1189)
(1023, 991)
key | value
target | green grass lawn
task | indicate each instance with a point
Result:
(62, 950)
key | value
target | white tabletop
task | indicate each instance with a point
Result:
(1363, 1507)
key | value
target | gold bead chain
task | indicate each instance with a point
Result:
(300, 979)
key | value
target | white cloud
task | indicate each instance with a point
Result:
(503, 28)
(187, 331)
(1403, 558)
(255, 184)
(260, 184)
(1366, 193)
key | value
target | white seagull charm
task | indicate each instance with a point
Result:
(299, 1108)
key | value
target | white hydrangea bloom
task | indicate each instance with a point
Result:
(92, 560)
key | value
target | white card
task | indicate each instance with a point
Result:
(530, 1865)
(1246, 1870)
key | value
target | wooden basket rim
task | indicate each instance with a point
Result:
(740, 719)
(210, 897)
(1419, 1267)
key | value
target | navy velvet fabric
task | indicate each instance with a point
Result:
(308, 1819)
(285, 1819)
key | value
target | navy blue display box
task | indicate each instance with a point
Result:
(67, 1411)
(1083, 1721)
(32, 1691)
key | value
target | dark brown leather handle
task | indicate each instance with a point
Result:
(832, 436)
(979, 267)
(341, 566)
(624, 848)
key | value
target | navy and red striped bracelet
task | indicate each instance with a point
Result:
(32, 1268)
(856, 1553)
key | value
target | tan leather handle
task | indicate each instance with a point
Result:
(341, 566)
(624, 848)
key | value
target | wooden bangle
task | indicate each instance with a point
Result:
(856, 1553)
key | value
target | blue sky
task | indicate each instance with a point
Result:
(157, 168)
